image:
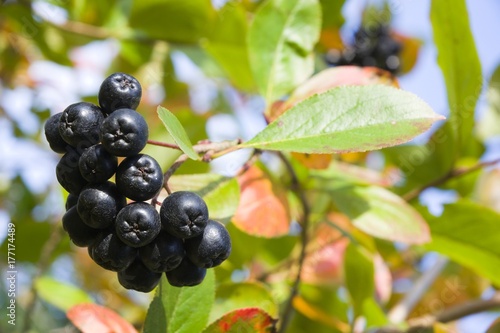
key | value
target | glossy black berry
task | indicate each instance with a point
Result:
(124, 132)
(139, 177)
(109, 252)
(80, 234)
(184, 214)
(71, 201)
(80, 125)
(211, 248)
(163, 254)
(118, 91)
(97, 165)
(186, 274)
(51, 128)
(137, 224)
(99, 204)
(138, 277)
(68, 174)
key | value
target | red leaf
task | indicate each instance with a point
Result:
(262, 210)
(92, 318)
(246, 320)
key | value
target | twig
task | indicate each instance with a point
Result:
(401, 311)
(296, 187)
(43, 264)
(468, 308)
(164, 144)
(459, 172)
(251, 161)
(215, 148)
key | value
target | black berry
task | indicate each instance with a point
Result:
(163, 254)
(71, 201)
(138, 277)
(80, 234)
(97, 165)
(119, 90)
(109, 252)
(124, 132)
(98, 205)
(211, 248)
(80, 123)
(184, 214)
(139, 177)
(68, 174)
(186, 274)
(137, 224)
(56, 142)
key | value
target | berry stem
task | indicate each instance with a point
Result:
(164, 144)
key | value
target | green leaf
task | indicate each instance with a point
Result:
(459, 62)
(177, 21)
(332, 13)
(487, 126)
(348, 119)
(227, 45)
(233, 296)
(181, 310)
(281, 40)
(61, 295)
(222, 194)
(469, 234)
(359, 276)
(381, 213)
(176, 130)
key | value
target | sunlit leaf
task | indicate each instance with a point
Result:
(61, 295)
(348, 119)
(280, 40)
(488, 124)
(359, 276)
(93, 318)
(175, 129)
(261, 211)
(249, 320)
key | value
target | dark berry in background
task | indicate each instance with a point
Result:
(80, 234)
(184, 214)
(186, 274)
(119, 90)
(124, 132)
(99, 204)
(80, 123)
(163, 254)
(51, 128)
(109, 252)
(137, 224)
(68, 174)
(139, 177)
(138, 277)
(210, 248)
(97, 165)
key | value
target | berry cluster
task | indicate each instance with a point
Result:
(372, 47)
(124, 233)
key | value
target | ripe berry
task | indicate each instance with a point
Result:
(124, 132)
(184, 214)
(71, 201)
(186, 274)
(97, 165)
(80, 123)
(68, 174)
(211, 248)
(109, 252)
(163, 254)
(56, 142)
(80, 234)
(137, 224)
(119, 90)
(98, 205)
(138, 277)
(139, 177)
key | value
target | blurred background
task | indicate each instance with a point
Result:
(57, 52)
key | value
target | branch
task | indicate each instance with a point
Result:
(296, 187)
(401, 311)
(456, 173)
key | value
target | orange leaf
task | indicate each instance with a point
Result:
(92, 318)
(409, 51)
(314, 161)
(247, 320)
(262, 210)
